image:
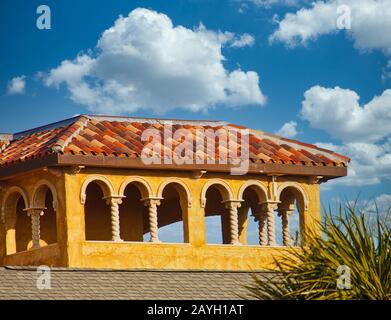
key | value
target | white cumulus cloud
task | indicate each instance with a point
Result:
(370, 20)
(338, 112)
(365, 131)
(145, 62)
(370, 163)
(288, 130)
(243, 41)
(16, 85)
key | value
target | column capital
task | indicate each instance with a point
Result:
(232, 203)
(151, 201)
(35, 210)
(269, 205)
(117, 199)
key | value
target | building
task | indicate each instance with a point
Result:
(78, 194)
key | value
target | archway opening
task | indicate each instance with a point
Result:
(18, 231)
(217, 222)
(96, 214)
(248, 224)
(172, 214)
(133, 215)
(48, 221)
(290, 212)
(23, 230)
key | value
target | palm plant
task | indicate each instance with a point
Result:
(351, 248)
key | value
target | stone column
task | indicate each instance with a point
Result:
(233, 219)
(284, 213)
(269, 208)
(35, 214)
(114, 202)
(152, 204)
(261, 217)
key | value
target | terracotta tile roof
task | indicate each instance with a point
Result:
(20, 283)
(121, 137)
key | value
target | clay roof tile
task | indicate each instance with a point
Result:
(121, 137)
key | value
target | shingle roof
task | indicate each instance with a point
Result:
(21, 283)
(121, 137)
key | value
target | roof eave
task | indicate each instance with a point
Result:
(65, 160)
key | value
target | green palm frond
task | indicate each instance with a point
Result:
(348, 240)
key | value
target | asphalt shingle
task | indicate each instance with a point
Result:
(21, 283)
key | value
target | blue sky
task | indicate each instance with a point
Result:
(298, 59)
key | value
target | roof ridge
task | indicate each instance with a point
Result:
(156, 120)
(147, 118)
(57, 124)
(100, 117)
(69, 133)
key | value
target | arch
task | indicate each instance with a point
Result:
(44, 196)
(102, 181)
(39, 194)
(97, 214)
(291, 195)
(178, 182)
(216, 212)
(253, 194)
(299, 191)
(142, 184)
(173, 211)
(224, 188)
(10, 191)
(133, 214)
(253, 183)
(17, 234)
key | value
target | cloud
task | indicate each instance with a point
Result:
(369, 21)
(16, 85)
(145, 62)
(307, 24)
(270, 3)
(372, 207)
(365, 131)
(380, 205)
(243, 41)
(370, 163)
(244, 5)
(288, 130)
(338, 112)
(381, 202)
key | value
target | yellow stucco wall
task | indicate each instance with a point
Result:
(73, 251)
(52, 255)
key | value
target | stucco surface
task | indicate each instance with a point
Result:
(72, 249)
